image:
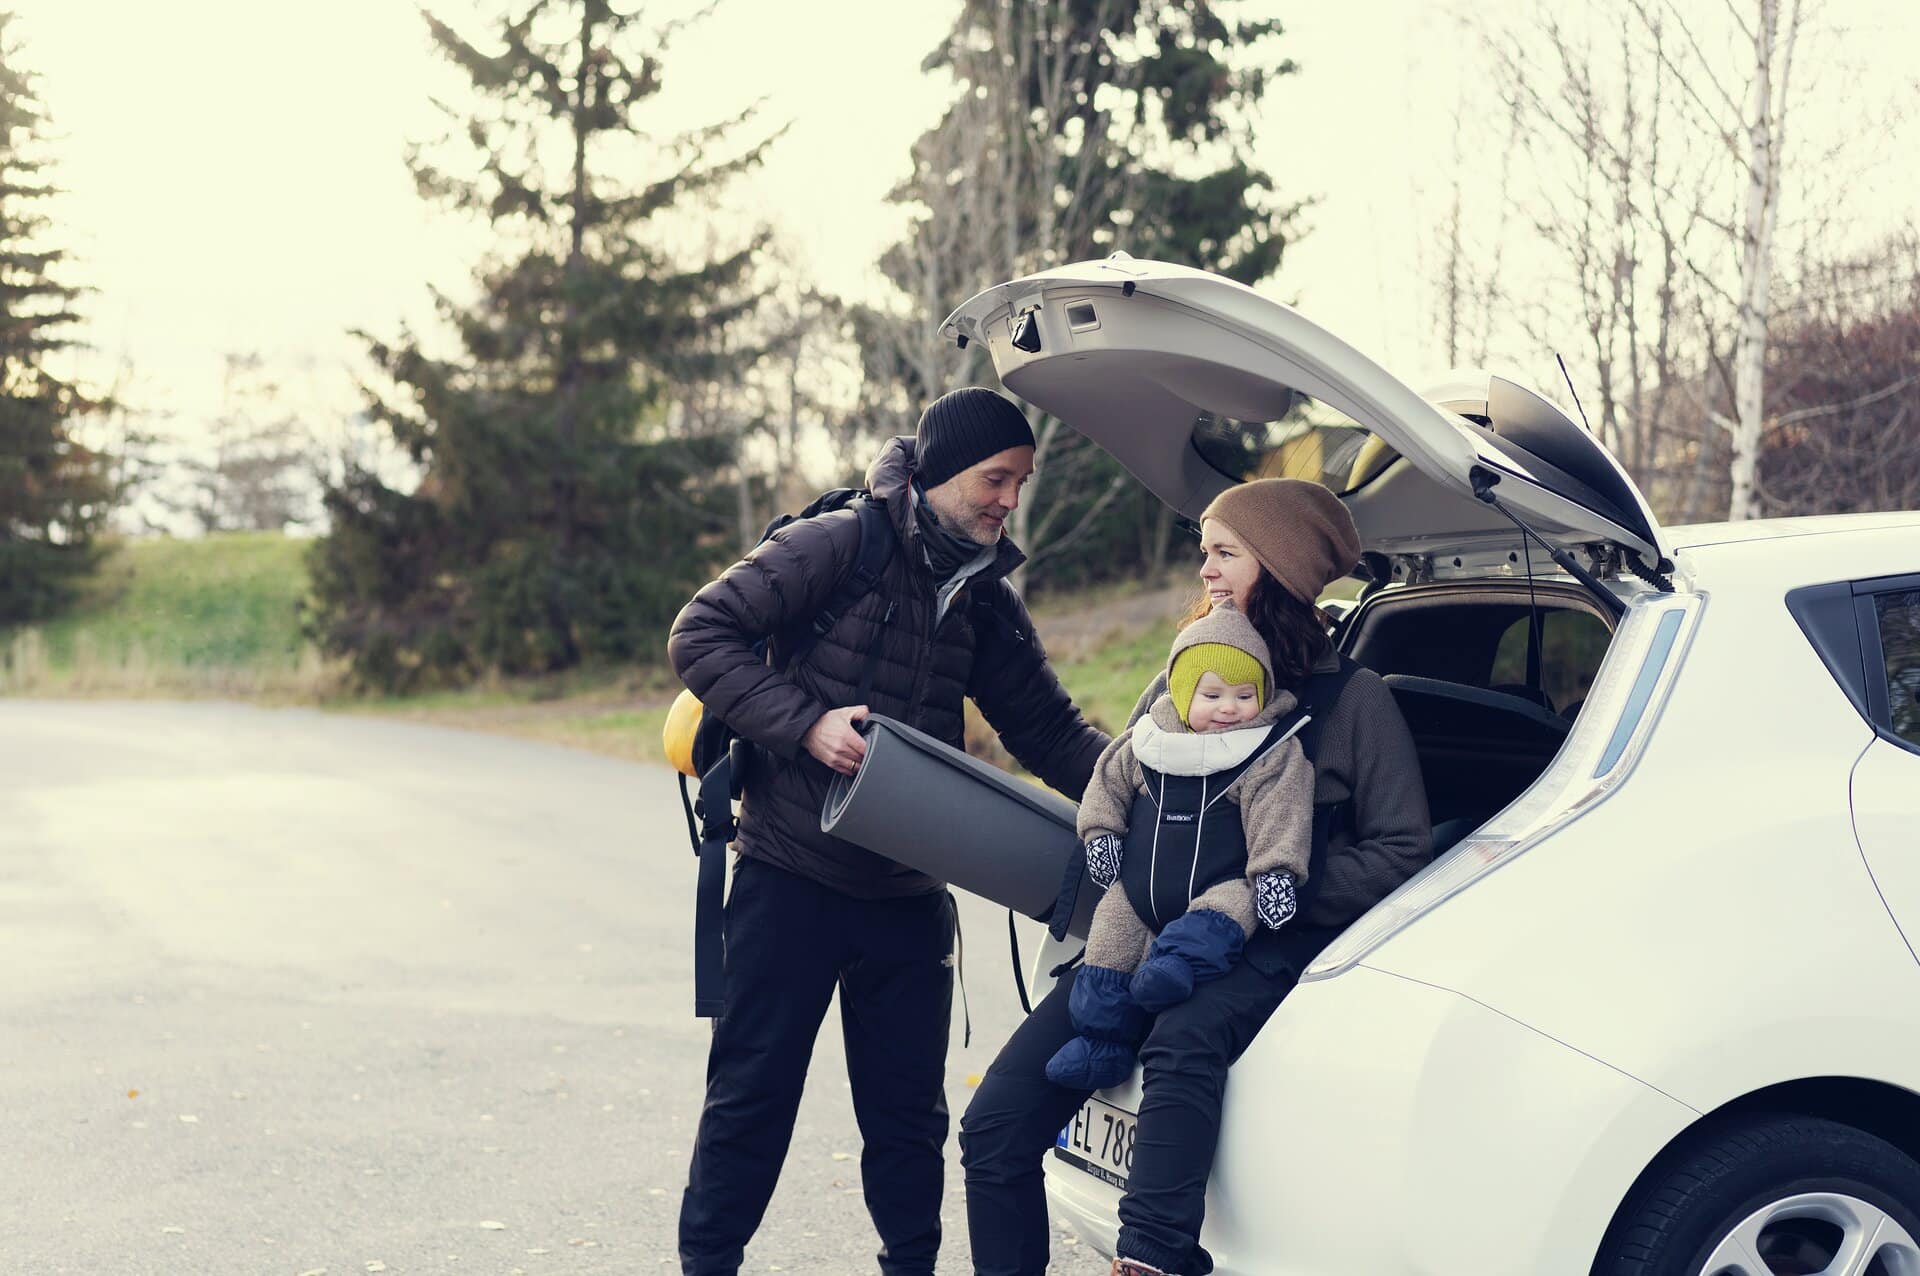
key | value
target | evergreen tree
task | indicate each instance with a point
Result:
(1078, 128)
(551, 523)
(54, 492)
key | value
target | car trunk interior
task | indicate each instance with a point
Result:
(1486, 714)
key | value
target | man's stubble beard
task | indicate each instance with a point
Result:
(946, 522)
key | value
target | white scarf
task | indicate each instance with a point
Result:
(1196, 752)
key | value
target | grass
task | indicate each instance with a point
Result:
(1107, 681)
(616, 712)
(219, 616)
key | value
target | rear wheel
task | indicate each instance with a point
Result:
(1773, 1196)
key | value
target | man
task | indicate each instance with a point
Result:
(807, 911)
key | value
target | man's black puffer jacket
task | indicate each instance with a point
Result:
(984, 647)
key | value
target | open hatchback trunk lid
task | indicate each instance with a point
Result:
(1195, 382)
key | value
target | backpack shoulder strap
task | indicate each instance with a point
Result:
(1318, 697)
(869, 565)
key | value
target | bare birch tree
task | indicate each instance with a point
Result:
(1668, 152)
(1750, 124)
(1612, 193)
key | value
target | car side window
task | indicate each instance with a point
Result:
(1898, 612)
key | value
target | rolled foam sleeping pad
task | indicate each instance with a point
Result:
(930, 806)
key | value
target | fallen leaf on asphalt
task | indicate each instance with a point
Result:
(973, 1078)
(493, 1225)
(189, 1118)
(174, 1231)
(843, 1156)
(133, 1094)
(316, 1271)
(375, 1265)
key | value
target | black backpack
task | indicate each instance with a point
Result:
(721, 755)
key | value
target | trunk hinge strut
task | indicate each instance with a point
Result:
(1484, 481)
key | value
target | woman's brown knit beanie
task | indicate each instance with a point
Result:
(1299, 531)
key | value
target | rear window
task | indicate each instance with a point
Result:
(1899, 615)
(1571, 645)
(1478, 637)
(1312, 441)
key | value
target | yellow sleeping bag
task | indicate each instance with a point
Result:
(683, 720)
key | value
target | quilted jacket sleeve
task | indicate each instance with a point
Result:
(786, 578)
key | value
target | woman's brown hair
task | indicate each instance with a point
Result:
(1296, 632)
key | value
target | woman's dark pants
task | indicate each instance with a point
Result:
(1017, 1114)
(790, 942)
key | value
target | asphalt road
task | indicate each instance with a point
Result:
(287, 992)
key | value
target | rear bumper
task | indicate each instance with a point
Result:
(1380, 1126)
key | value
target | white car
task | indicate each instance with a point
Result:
(1654, 1007)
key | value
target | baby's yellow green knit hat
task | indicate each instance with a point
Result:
(1222, 642)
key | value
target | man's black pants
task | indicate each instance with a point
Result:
(789, 942)
(1017, 1113)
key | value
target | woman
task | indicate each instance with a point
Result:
(1270, 548)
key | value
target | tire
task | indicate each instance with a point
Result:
(1771, 1196)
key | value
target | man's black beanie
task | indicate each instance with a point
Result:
(963, 428)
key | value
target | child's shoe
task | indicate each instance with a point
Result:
(1086, 1064)
(1193, 948)
(1111, 1029)
(1134, 1267)
(1162, 982)
(1101, 1007)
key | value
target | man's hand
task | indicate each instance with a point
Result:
(833, 740)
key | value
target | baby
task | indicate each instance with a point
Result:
(1159, 818)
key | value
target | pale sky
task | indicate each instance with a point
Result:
(236, 182)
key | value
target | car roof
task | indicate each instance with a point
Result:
(1699, 535)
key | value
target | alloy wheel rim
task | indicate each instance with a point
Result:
(1816, 1234)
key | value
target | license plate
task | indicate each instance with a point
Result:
(1099, 1140)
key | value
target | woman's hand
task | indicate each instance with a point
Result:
(834, 740)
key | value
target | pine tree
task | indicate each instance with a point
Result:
(54, 492)
(551, 524)
(1077, 128)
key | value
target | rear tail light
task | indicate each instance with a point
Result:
(1599, 754)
